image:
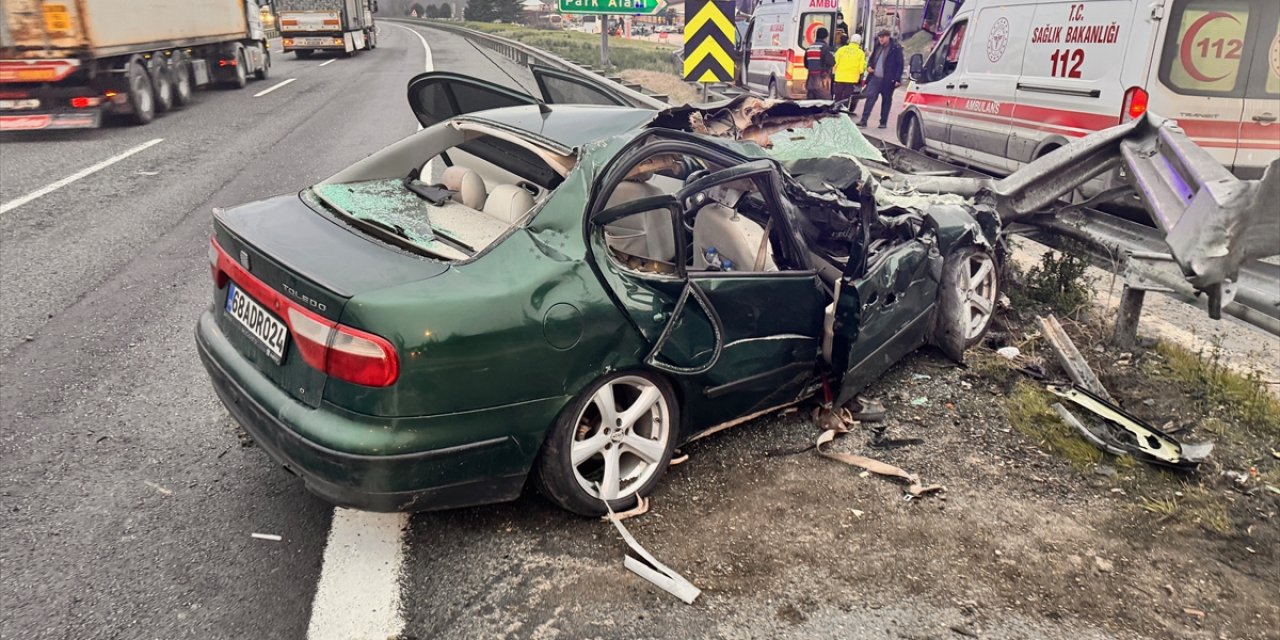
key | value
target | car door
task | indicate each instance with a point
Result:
(990, 64)
(559, 87)
(737, 341)
(883, 312)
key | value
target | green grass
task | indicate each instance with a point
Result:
(584, 48)
(1028, 409)
(1223, 392)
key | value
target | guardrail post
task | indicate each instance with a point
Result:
(1126, 334)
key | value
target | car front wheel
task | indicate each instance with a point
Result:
(967, 300)
(612, 443)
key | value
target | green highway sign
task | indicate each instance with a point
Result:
(614, 7)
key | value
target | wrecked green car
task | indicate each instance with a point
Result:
(566, 292)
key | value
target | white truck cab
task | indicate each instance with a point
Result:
(777, 36)
(1011, 80)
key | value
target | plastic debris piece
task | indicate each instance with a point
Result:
(1195, 613)
(919, 402)
(641, 508)
(650, 569)
(914, 487)
(866, 410)
(266, 536)
(921, 377)
(1142, 440)
(1009, 353)
(167, 492)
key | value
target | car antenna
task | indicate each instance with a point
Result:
(542, 106)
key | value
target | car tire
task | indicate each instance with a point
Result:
(142, 97)
(967, 299)
(162, 85)
(303, 54)
(912, 136)
(265, 69)
(607, 451)
(183, 85)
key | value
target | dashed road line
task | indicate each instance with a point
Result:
(50, 188)
(273, 87)
(328, 62)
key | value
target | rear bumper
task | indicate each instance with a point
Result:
(480, 472)
(36, 121)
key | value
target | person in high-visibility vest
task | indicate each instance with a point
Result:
(851, 63)
(819, 60)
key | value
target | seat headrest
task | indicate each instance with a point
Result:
(508, 203)
(468, 184)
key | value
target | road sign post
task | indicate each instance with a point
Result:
(709, 41)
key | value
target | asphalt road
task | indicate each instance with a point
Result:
(128, 499)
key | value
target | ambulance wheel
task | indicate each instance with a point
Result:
(773, 89)
(911, 135)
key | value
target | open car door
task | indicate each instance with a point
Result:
(558, 87)
(437, 96)
(746, 339)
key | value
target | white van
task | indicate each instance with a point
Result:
(1011, 80)
(779, 31)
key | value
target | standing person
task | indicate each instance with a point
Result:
(886, 75)
(819, 60)
(851, 63)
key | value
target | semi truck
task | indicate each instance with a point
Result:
(69, 64)
(342, 26)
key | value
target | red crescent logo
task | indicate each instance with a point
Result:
(811, 32)
(1184, 52)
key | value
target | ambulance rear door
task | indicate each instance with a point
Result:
(1202, 74)
(1259, 129)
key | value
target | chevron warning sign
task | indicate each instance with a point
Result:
(709, 40)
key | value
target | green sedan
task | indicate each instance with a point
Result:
(529, 289)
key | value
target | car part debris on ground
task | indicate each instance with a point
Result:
(649, 568)
(834, 422)
(1134, 436)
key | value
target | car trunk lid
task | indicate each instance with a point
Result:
(281, 254)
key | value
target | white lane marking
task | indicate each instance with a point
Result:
(46, 190)
(273, 87)
(328, 62)
(428, 63)
(359, 591)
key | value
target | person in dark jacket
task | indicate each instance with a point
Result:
(819, 60)
(885, 74)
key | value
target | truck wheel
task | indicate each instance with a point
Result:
(303, 54)
(183, 86)
(141, 98)
(265, 69)
(162, 83)
(241, 78)
(370, 40)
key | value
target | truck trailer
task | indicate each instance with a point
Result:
(68, 64)
(343, 26)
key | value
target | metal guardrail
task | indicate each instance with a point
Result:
(525, 55)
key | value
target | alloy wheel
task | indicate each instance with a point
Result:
(620, 438)
(980, 291)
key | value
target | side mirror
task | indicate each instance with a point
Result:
(917, 67)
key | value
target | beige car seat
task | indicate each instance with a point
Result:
(734, 236)
(468, 184)
(508, 203)
(645, 235)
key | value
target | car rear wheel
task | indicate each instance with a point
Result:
(613, 442)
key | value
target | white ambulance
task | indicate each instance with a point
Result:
(1011, 80)
(779, 31)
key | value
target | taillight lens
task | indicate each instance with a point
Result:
(1134, 105)
(337, 350)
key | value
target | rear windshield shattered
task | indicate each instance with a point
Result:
(448, 231)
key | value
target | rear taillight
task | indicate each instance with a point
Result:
(340, 351)
(83, 102)
(1134, 105)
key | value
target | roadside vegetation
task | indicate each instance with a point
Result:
(584, 48)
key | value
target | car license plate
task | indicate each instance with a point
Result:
(270, 332)
(313, 42)
(20, 104)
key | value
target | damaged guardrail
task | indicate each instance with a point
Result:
(1213, 223)
(525, 55)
